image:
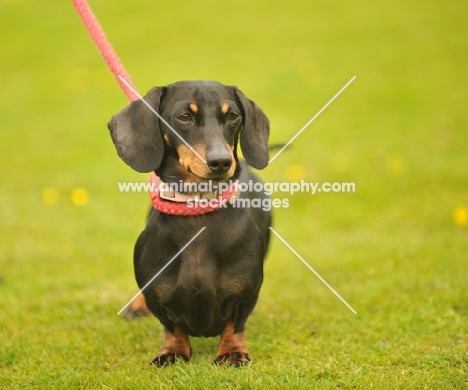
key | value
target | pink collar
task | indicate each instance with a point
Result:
(175, 203)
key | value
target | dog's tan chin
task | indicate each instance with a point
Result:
(204, 177)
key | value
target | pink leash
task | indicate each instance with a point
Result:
(106, 49)
(116, 67)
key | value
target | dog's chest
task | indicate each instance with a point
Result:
(223, 260)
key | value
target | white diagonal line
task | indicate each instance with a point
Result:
(161, 118)
(315, 272)
(312, 119)
(161, 270)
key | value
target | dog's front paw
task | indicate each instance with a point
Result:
(236, 359)
(167, 359)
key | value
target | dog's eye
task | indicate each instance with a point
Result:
(185, 117)
(231, 117)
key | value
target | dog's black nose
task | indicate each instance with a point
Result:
(219, 163)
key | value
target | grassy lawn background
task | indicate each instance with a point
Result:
(396, 249)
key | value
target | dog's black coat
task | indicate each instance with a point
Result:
(217, 278)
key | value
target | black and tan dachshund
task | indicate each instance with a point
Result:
(211, 288)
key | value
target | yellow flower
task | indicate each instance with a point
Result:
(295, 173)
(79, 196)
(395, 164)
(460, 215)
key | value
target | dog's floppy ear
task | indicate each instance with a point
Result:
(255, 132)
(136, 133)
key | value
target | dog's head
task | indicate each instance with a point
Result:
(206, 117)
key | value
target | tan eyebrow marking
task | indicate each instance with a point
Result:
(193, 107)
(224, 108)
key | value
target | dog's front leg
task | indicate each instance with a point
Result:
(232, 347)
(175, 344)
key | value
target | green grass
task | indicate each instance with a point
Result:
(392, 249)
